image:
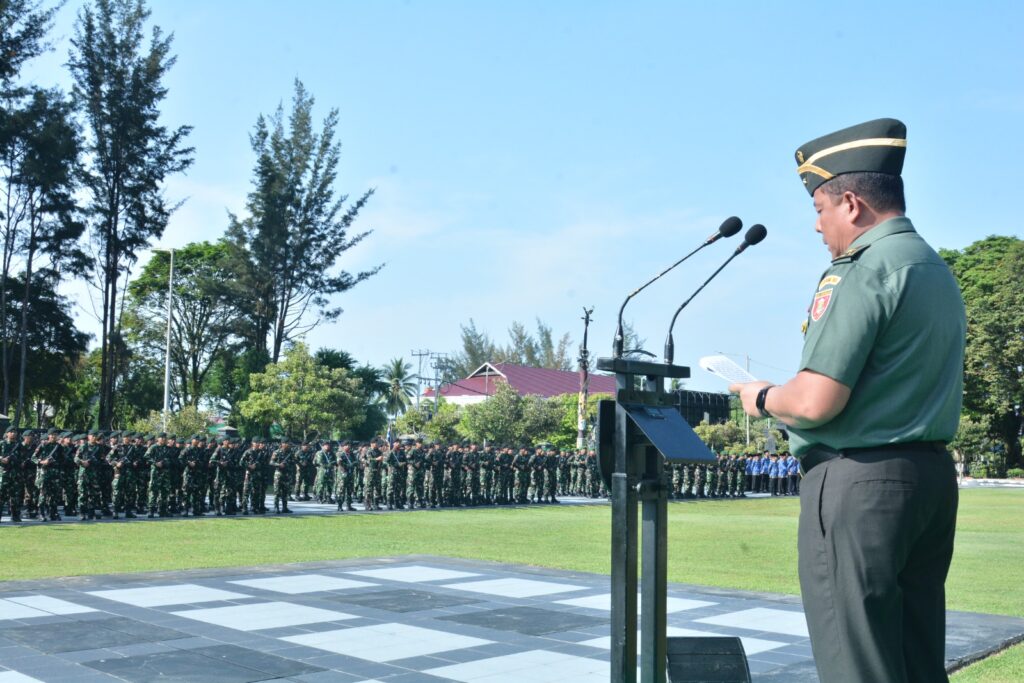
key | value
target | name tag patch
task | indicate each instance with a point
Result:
(829, 281)
(820, 305)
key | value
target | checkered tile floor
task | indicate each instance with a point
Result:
(410, 620)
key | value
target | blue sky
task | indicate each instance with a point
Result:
(533, 158)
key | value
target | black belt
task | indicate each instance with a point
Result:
(816, 456)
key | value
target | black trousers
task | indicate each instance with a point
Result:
(875, 543)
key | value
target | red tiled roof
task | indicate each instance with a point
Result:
(525, 380)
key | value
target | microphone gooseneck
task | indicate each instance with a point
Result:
(755, 235)
(729, 227)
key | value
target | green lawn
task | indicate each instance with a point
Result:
(749, 544)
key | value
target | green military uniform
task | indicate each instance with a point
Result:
(877, 522)
(373, 462)
(158, 458)
(395, 489)
(88, 458)
(416, 466)
(68, 475)
(345, 476)
(323, 484)
(436, 462)
(193, 465)
(10, 475)
(121, 484)
(47, 458)
(282, 462)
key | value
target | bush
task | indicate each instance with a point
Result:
(1015, 473)
(979, 471)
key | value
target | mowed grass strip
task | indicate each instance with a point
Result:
(1005, 667)
(744, 544)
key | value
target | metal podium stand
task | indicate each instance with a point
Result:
(634, 432)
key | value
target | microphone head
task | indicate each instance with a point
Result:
(730, 226)
(755, 234)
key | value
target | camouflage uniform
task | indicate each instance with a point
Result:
(324, 463)
(121, 485)
(282, 462)
(453, 477)
(395, 491)
(48, 460)
(88, 458)
(158, 457)
(416, 468)
(487, 462)
(305, 471)
(345, 475)
(552, 464)
(10, 475)
(372, 463)
(193, 464)
(436, 464)
(471, 467)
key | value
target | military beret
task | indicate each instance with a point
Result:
(11, 430)
(162, 435)
(877, 146)
(51, 430)
(28, 432)
(94, 432)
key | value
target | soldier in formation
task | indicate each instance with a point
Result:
(113, 474)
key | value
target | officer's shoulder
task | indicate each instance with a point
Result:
(851, 255)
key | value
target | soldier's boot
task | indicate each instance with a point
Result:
(285, 510)
(277, 505)
(113, 515)
(129, 513)
(152, 513)
(350, 508)
(106, 511)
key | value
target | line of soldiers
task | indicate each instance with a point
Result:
(127, 473)
(108, 474)
(734, 475)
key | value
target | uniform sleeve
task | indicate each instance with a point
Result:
(845, 318)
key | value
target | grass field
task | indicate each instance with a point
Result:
(748, 544)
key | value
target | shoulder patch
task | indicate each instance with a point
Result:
(853, 253)
(829, 281)
(820, 304)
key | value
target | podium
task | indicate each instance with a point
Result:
(637, 433)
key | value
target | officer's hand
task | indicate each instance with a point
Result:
(748, 395)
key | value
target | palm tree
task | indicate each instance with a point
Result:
(401, 386)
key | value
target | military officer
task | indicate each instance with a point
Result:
(877, 397)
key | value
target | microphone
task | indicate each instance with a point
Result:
(754, 236)
(729, 227)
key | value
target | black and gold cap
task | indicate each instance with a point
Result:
(877, 146)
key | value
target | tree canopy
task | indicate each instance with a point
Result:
(304, 397)
(990, 272)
